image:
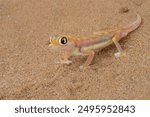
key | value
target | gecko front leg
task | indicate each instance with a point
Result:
(90, 54)
(65, 58)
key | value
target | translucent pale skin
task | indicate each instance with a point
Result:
(85, 46)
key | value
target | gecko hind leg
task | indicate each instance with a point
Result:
(120, 52)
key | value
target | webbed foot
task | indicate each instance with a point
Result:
(65, 62)
(83, 67)
(120, 54)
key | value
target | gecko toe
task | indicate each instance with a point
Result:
(68, 62)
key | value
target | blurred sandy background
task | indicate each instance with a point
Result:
(27, 68)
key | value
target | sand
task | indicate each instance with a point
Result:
(27, 66)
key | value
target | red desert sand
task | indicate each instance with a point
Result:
(27, 65)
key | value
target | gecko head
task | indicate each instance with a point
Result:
(58, 40)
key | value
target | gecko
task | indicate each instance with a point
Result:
(85, 46)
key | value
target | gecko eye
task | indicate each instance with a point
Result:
(63, 40)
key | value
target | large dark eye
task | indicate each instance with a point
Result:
(63, 40)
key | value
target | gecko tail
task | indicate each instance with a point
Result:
(134, 25)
